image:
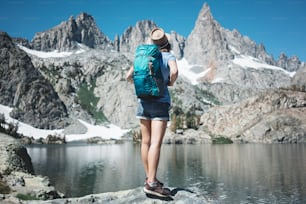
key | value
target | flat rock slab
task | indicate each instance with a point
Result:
(179, 196)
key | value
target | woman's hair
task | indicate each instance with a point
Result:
(167, 48)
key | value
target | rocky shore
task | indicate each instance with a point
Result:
(17, 177)
(19, 184)
(179, 196)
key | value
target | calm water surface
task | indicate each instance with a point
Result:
(236, 173)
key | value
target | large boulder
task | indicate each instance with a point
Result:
(270, 117)
(17, 174)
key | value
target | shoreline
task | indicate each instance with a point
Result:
(28, 188)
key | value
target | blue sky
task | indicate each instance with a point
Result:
(279, 24)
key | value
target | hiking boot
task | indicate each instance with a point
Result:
(160, 183)
(156, 189)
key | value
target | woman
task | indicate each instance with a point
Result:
(154, 114)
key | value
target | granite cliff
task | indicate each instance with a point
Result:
(23, 87)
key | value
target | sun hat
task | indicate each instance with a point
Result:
(159, 37)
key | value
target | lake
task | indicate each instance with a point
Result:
(234, 173)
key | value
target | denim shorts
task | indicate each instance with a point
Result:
(153, 110)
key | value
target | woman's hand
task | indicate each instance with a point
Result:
(173, 72)
(129, 75)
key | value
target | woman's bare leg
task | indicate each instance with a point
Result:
(158, 128)
(145, 126)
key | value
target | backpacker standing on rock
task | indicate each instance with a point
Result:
(153, 102)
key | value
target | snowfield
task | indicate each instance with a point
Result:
(109, 132)
(53, 54)
(251, 62)
(187, 70)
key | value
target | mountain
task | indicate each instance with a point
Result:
(23, 87)
(291, 64)
(67, 35)
(209, 42)
(229, 65)
(134, 36)
(206, 40)
(215, 43)
(140, 33)
(217, 67)
(91, 84)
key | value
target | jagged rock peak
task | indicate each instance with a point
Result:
(178, 44)
(206, 40)
(68, 34)
(205, 13)
(140, 34)
(205, 18)
(145, 24)
(210, 43)
(136, 35)
(85, 16)
(291, 64)
(5, 40)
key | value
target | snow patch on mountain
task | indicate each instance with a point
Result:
(106, 132)
(191, 72)
(232, 48)
(251, 62)
(194, 73)
(55, 53)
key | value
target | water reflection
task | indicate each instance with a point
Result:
(249, 173)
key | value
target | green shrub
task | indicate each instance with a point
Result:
(26, 196)
(222, 140)
(89, 101)
(207, 96)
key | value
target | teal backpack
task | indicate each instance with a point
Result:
(147, 76)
